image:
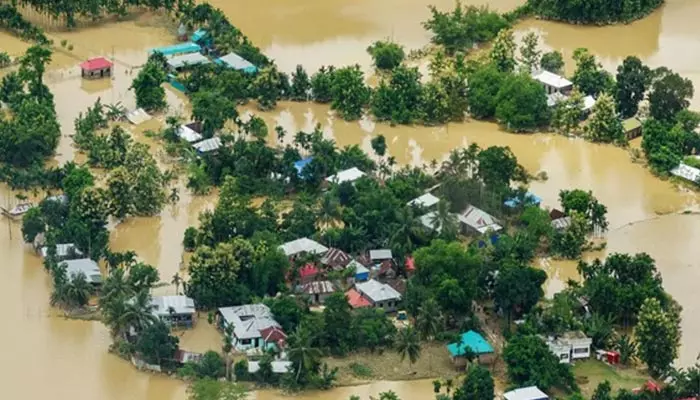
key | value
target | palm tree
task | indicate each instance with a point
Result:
(78, 291)
(301, 352)
(408, 344)
(429, 319)
(407, 230)
(328, 211)
(116, 111)
(227, 347)
(177, 280)
(137, 313)
(115, 287)
(444, 222)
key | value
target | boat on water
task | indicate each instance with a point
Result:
(19, 209)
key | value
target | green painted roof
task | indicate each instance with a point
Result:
(475, 341)
(631, 123)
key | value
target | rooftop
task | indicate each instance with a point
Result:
(208, 145)
(318, 287)
(588, 102)
(86, 266)
(356, 300)
(188, 134)
(248, 320)
(561, 223)
(336, 258)
(62, 250)
(278, 367)
(377, 292)
(138, 116)
(96, 64)
(479, 220)
(381, 254)
(179, 304)
(359, 268)
(198, 35)
(526, 393)
(686, 172)
(348, 175)
(472, 340)
(301, 164)
(631, 124)
(426, 200)
(529, 197)
(235, 61)
(179, 48)
(550, 79)
(179, 61)
(308, 270)
(303, 245)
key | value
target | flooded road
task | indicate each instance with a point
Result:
(50, 356)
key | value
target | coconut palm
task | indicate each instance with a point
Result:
(301, 352)
(137, 313)
(177, 280)
(328, 211)
(408, 344)
(444, 221)
(407, 232)
(116, 111)
(115, 288)
(429, 320)
(78, 291)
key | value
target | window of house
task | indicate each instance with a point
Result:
(381, 304)
(564, 356)
(246, 341)
(581, 350)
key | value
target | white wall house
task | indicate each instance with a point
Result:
(380, 295)
(571, 346)
(254, 326)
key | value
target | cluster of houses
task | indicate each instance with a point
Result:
(559, 89)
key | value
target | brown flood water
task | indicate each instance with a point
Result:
(70, 359)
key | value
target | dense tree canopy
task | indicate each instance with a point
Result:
(521, 104)
(594, 12)
(463, 27)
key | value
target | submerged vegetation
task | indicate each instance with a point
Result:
(594, 12)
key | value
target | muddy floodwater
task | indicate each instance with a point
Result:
(46, 355)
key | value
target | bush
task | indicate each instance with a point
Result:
(212, 365)
(361, 370)
(386, 55)
(240, 370)
(190, 239)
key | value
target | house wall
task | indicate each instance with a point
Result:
(387, 306)
(580, 351)
(319, 298)
(185, 320)
(257, 343)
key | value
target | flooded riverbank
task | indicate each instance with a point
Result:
(51, 356)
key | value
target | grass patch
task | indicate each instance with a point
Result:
(360, 370)
(589, 374)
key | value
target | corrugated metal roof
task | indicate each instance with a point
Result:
(179, 48)
(377, 291)
(180, 305)
(479, 220)
(381, 254)
(208, 145)
(359, 268)
(348, 175)
(526, 393)
(318, 287)
(303, 245)
(138, 116)
(235, 61)
(187, 59)
(550, 79)
(336, 258)
(426, 200)
(86, 266)
(473, 341)
(687, 172)
(278, 367)
(188, 134)
(561, 223)
(248, 320)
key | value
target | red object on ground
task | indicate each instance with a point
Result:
(649, 386)
(356, 300)
(308, 270)
(95, 64)
(612, 357)
(410, 264)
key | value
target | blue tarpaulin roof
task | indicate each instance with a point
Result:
(299, 165)
(530, 197)
(198, 35)
(181, 48)
(473, 340)
(233, 60)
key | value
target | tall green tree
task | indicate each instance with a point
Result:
(670, 93)
(213, 110)
(552, 61)
(521, 104)
(156, 345)
(658, 336)
(503, 51)
(482, 92)
(386, 55)
(590, 78)
(349, 93)
(301, 85)
(604, 125)
(530, 362)
(399, 100)
(150, 94)
(408, 344)
(477, 385)
(268, 88)
(518, 289)
(632, 80)
(529, 52)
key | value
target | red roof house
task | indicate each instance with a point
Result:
(308, 272)
(410, 265)
(274, 334)
(96, 68)
(356, 300)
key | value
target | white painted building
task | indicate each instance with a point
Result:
(570, 346)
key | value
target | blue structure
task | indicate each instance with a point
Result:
(530, 198)
(198, 35)
(473, 341)
(172, 79)
(233, 60)
(361, 272)
(301, 164)
(182, 48)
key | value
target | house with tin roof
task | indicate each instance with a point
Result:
(303, 246)
(379, 295)
(427, 200)
(84, 266)
(174, 310)
(477, 221)
(336, 259)
(526, 393)
(474, 343)
(318, 291)
(254, 327)
(348, 175)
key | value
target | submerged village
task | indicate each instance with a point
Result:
(310, 266)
